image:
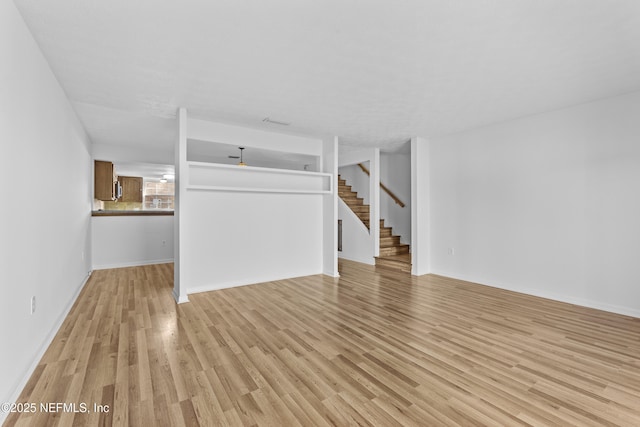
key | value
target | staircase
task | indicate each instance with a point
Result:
(393, 254)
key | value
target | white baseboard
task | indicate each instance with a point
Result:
(331, 273)
(180, 299)
(367, 260)
(625, 311)
(237, 283)
(43, 348)
(132, 264)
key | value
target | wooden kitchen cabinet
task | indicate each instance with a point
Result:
(131, 188)
(105, 180)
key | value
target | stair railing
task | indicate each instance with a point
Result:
(384, 187)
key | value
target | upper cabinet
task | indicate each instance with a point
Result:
(131, 188)
(105, 181)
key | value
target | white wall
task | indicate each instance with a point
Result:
(395, 173)
(182, 172)
(356, 241)
(124, 241)
(247, 137)
(420, 207)
(238, 238)
(357, 179)
(546, 205)
(45, 167)
(139, 154)
(329, 162)
(233, 238)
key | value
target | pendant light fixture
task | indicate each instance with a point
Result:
(242, 163)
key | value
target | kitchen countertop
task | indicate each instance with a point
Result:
(131, 213)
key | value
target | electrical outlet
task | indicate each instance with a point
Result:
(452, 251)
(33, 304)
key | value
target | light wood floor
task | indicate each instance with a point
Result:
(372, 348)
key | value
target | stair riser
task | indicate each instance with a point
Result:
(389, 241)
(391, 265)
(389, 244)
(385, 232)
(394, 250)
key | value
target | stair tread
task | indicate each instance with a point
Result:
(391, 249)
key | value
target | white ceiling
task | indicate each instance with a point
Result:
(146, 170)
(372, 72)
(216, 152)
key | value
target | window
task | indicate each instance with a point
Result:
(158, 195)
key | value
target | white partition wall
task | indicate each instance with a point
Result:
(238, 238)
(374, 196)
(357, 244)
(420, 206)
(330, 208)
(241, 225)
(180, 205)
(217, 177)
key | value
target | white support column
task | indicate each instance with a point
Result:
(330, 208)
(420, 233)
(374, 201)
(179, 285)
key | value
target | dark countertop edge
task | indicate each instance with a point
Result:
(131, 213)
